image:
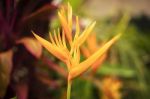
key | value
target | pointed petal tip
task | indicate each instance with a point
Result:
(69, 5)
(36, 36)
(34, 33)
(117, 36)
(93, 23)
(59, 13)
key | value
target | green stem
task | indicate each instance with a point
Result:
(69, 89)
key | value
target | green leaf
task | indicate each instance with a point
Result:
(121, 71)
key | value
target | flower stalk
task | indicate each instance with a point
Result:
(69, 88)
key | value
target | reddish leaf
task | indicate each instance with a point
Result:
(5, 70)
(32, 45)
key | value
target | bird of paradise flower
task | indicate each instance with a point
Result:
(70, 53)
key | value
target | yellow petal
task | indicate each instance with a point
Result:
(82, 67)
(51, 38)
(77, 28)
(85, 34)
(56, 38)
(76, 56)
(56, 51)
(65, 26)
(69, 16)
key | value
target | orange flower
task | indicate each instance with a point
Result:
(111, 88)
(70, 54)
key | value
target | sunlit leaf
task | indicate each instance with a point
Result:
(5, 70)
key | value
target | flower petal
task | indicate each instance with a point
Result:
(77, 28)
(65, 26)
(51, 38)
(69, 16)
(85, 34)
